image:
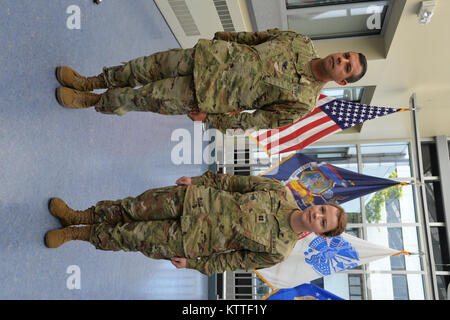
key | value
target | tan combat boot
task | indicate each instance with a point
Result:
(72, 79)
(55, 238)
(72, 98)
(68, 216)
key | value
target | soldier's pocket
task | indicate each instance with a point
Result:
(256, 233)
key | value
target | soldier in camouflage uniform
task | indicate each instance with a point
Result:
(211, 223)
(277, 73)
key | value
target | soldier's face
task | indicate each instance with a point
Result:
(341, 66)
(320, 218)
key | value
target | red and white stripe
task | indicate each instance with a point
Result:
(305, 131)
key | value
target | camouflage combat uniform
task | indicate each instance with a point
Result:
(269, 72)
(220, 222)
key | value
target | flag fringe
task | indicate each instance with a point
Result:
(264, 280)
(277, 165)
(270, 294)
(268, 284)
(402, 252)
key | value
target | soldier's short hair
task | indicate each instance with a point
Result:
(342, 221)
(363, 62)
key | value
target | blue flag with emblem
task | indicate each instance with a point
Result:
(307, 291)
(314, 182)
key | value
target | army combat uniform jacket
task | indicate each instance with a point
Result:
(268, 71)
(220, 222)
(236, 222)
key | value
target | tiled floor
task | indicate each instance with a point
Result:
(79, 155)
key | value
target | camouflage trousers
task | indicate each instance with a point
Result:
(148, 223)
(165, 80)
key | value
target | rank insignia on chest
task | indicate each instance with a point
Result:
(261, 218)
(296, 90)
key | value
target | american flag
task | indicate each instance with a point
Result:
(330, 115)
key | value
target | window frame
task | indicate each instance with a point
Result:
(285, 12)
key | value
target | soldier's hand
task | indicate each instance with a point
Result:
(184, 181)
(179, 263)
(197, 116)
